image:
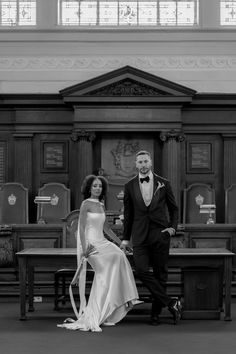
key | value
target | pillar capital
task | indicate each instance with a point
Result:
(82, 135)
(173, 134)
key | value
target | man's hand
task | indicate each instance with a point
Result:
(125, 247)
(171, 230)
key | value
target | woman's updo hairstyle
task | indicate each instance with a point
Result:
(87, 185)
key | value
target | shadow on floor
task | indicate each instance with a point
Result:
(133, 335)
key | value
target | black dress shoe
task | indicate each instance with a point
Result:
(175, 309)
(155, 312)
(155, 321)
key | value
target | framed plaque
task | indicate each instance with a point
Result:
(54, 156)
(199, 157)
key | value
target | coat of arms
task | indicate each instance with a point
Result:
(54, 199)
(124, 158)
(199, 199)
(12, 199)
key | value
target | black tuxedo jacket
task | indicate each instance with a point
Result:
(138, 218)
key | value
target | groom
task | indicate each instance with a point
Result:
(147, 198)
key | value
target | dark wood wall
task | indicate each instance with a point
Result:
(25, 128)
(74, 123)
(63, 137)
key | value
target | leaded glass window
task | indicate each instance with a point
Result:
(228, 13)
(18, 12)
(128, 13)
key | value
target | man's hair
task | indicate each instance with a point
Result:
(143, 152)
(87, 184)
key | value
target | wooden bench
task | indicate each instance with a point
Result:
(187, 259)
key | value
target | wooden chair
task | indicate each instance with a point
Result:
(70, 226)
(65, 275)
(14, 204)
(230, 204)
(58, 208)
(194, 195)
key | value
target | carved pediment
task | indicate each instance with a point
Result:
(127, 87)
(125, 83)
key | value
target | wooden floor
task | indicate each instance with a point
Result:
(133, 335)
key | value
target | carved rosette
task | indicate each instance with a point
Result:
(6, 248)
(82, 135)
(172, 135)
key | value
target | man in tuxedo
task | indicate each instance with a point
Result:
(150, 218)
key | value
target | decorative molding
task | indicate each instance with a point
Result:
(107, 62)
(82, 135)
(172, 135)
(23, 136)
(127, 87)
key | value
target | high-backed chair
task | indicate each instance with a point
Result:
(58, 208)
(230, 204)
(14, 204)
(194, 195)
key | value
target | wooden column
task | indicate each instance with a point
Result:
(23, 159)
(172, 159)
(229, 159)
(82, 164)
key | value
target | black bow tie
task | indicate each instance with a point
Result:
(146, 179)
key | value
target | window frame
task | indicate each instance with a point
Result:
(17, 25)
(130, 27)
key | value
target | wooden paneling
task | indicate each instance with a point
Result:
(148, 105)
(213, 175)
(14, 203)
(35, 235)
(3, 161)
(229, 160)
(230, 204)
(216, 235)
(23, 159)
(202, 293)
(195, 195)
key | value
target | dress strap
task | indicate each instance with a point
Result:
(80, 280)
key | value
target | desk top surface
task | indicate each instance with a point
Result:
(184, 252)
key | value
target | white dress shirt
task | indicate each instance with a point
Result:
(147, 189)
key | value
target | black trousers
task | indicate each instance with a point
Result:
(154, 255)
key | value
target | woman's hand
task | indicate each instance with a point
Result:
(126, 248)
(89, 251)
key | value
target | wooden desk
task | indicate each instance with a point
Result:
(66, 257)
(211, 236)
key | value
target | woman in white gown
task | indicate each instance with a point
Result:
(113, 291)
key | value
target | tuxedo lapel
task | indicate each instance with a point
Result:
(137, 191)
(157, 185)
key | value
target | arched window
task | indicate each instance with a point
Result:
(18, 12)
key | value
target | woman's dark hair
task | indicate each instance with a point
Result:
(87, 184)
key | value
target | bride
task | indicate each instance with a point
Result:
(113, 292)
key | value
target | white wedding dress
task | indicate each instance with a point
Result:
(113, 291)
